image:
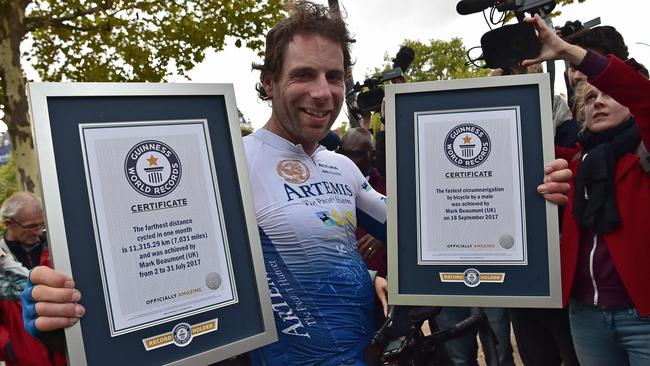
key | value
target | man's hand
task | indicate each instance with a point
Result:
(556, 182)
(381, 288)
(553, 47)
(368, 246)
(50, 301)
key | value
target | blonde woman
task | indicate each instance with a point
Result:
(605, 245)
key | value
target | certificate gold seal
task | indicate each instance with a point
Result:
(213, 280)
(506, 241)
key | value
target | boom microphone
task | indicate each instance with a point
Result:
(465, 7)
(404, 58)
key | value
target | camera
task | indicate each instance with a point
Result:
(508, 45)
(370, 99)
(465, 7)
(570, 28)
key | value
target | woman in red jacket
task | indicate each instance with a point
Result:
(605, 245)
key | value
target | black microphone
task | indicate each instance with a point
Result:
(465, 7)
(404, 58)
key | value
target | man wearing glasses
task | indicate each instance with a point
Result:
(24, 240)
(22, 215)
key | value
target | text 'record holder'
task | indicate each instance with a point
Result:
(466, 225)
(149, 209)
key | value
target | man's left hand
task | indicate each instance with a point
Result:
(368, 246)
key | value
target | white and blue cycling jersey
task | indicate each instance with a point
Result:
(307, 209)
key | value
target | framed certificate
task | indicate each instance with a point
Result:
(149, 209)
(466, 225)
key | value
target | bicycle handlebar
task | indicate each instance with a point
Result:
(476, 320)
(380, 335)
(459, 328)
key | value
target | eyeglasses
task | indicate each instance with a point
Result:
(31, 227)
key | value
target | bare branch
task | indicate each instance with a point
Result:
(39, 22)
(104, 27)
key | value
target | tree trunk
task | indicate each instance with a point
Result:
(335, 10)
(14, 99)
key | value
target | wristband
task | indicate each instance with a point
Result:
(373, 275)
(29, 308)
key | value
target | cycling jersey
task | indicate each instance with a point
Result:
(307, 209)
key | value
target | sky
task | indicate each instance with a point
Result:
(380, 26)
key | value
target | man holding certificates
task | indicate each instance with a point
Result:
(308, 202)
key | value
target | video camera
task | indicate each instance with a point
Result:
(370, 99)
(465, 7)
(510, 44)
(571, 27)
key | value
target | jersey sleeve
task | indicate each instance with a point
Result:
(371, 207)
(11, 285)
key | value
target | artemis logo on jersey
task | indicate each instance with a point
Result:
(317, 189)
(293, 171)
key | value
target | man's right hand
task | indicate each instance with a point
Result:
(50, 301)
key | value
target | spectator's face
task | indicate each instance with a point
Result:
(308, 94)
(602, 112)
(574, 75)
(27, 226)
(360, 151)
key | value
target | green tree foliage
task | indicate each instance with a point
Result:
(438, 60)
(342, 128)
(567, 2)
(8, 182)
(112, 40)
(136, 40)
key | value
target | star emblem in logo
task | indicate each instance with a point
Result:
(467, 139)
(152, 160)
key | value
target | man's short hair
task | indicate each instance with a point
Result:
(603, 39)
(306, 18)
(12, 206)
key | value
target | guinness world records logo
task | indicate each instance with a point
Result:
(467, 145)
(182, 334)
(471, 277)
(152, 168)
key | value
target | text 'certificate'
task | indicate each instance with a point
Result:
(471, 208)
(158, 222)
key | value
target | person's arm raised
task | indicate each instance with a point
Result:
(552, 46)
